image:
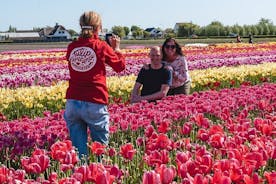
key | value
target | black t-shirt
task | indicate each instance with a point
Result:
(152, 79)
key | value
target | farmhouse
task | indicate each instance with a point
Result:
(56, 33)
(155, 33)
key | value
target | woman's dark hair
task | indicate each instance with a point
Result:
(178, 48)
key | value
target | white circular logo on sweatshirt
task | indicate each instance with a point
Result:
(82, 59)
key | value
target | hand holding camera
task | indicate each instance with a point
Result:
(113, 40)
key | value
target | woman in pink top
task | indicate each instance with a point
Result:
(177, 63)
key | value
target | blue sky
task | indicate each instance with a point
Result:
(26, 14)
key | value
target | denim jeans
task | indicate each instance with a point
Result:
(80, 115)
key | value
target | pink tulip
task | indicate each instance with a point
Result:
(167, 174)
(151, 177)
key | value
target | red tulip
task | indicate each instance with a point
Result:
(139, 141)
(187, 128)
(182, 157)
(270, 177)
(149, 130)
(236, 173)
(35, 164)
(127, 151)
(84, 172)
(182, 170)
(252, 179)
(202, 134)
(201, 121)
(4, 173)
(220, 178)
(53, 177)
(200, 179)
(111, 152)
(151, 177)
(222, 165)
(104, 178)
(64, 152)
(163, 142)
(205, 164)
(19, 174)
(68, 181)
(254, 159)
(156, 158)
(97, 148)
(216, 129)
(164, 126)
(216, 140)
(167, 174)
(192, 167)
(115, 171)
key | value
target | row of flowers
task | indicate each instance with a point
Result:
(225, 136)
(32, 101)
(28, 69)
(143, 50)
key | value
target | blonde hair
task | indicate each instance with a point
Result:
(90, 22)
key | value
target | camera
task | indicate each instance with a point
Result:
(107, 37)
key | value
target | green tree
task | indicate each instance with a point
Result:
(254, 30)
(146, 34)
(119, 30)
(126, 30)
(247, 30)
(272, 29)
(266, 26)
(242, 31)
(236, 29)
(12, 29)
(215, 28)
(187, 29)
(72, 32)
(260, 29)
(136, 31)
(265, 21)
(169, 32)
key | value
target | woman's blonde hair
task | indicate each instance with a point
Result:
(89, 21)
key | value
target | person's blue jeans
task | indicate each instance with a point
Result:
(79, 115)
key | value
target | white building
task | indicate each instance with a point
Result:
(19, 35)
(154, 32)
(58, 32)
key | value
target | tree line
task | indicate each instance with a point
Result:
(263, 27)
(215, 28)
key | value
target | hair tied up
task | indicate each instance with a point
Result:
(87, 27)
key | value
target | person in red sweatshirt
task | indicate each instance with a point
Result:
(87, 94)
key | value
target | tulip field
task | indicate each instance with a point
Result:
(224, 132)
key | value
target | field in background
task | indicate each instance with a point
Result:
(125, 43)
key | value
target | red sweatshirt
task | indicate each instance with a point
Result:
(86, 60)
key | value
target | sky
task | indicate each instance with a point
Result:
(27, 14)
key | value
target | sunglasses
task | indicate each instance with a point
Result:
(170, 46)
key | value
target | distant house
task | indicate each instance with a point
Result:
(176, 26)
(56, 33)
(155, 33)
